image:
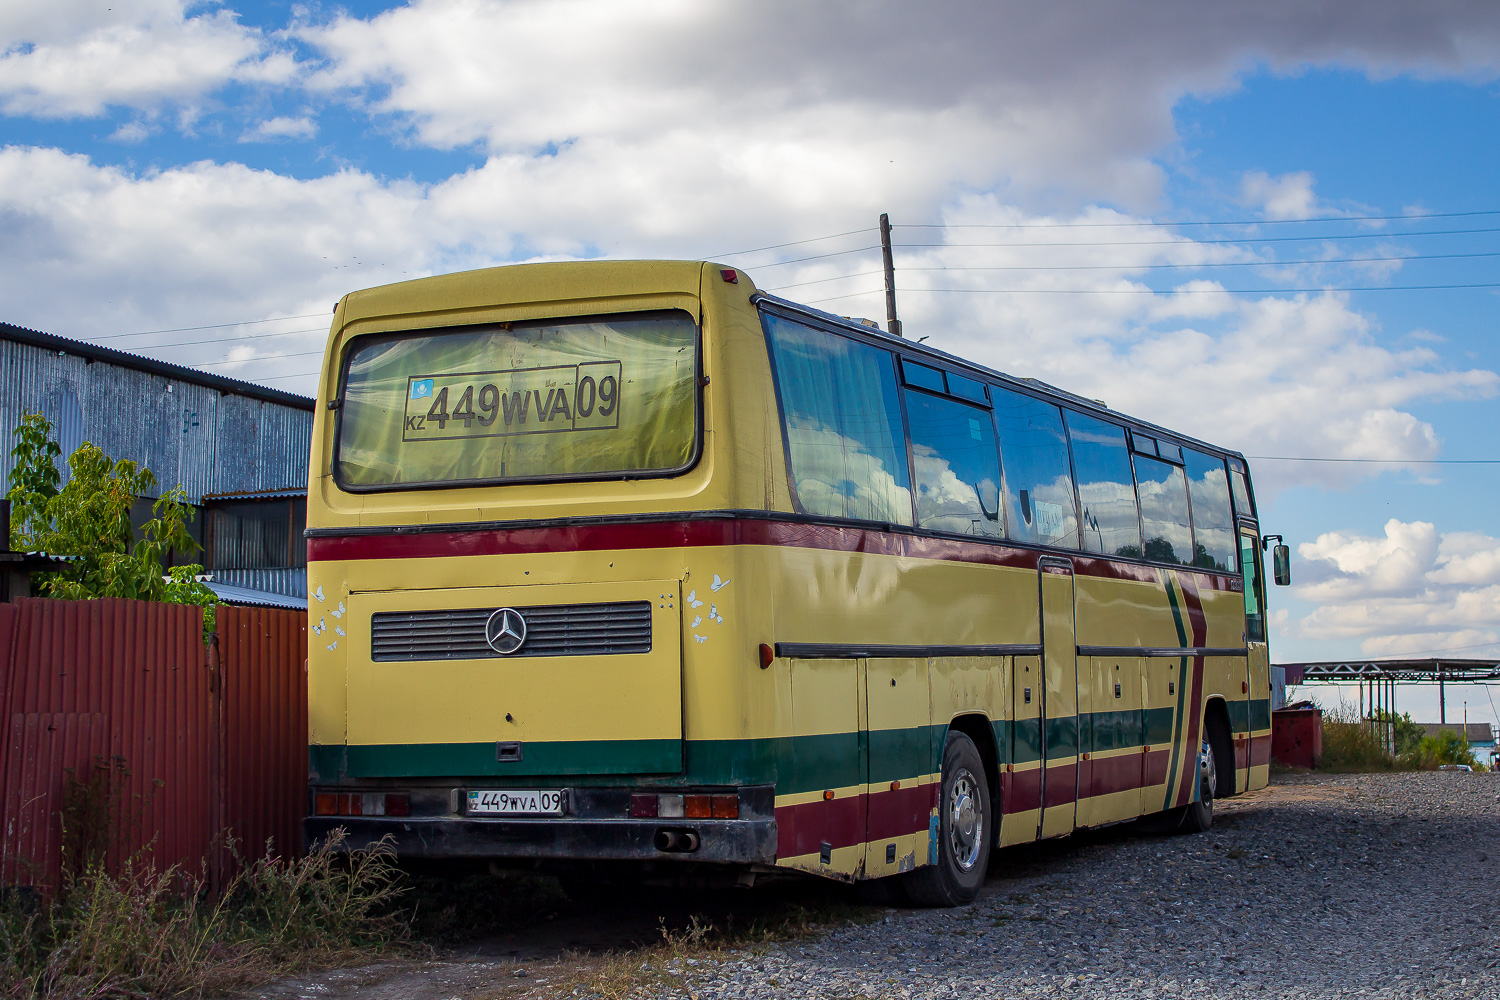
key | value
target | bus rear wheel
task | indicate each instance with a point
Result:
(964, 835)
(1198, 816)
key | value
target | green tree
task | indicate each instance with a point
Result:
(1446, 746)
(34, 480)
(1408, 734)
(88, 521)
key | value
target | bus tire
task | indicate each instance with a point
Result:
(1198, 816)
(964, 835)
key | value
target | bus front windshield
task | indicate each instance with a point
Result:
(559, 399)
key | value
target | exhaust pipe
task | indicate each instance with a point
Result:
(677, 841)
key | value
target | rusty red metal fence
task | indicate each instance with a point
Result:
(262, 656)
(123, 735)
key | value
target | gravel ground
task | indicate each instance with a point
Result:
(1319, 886)
(1323, 886)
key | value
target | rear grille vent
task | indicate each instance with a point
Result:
(551, 630)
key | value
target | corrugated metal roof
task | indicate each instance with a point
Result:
(291, 582)
(231, 594)
(210, 434)
(48, 341)
(258, 495)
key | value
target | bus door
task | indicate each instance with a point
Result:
(1059, 691)
(1257, 662)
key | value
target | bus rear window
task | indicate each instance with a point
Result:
(573, 399)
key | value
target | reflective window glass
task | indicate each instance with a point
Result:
(1039, 502)
(1110, 522)
(922, 376)
(1241, 487)
(967, 388)
(1255, 619)
(1213, 519)
(1164, 510)
(956, 466)
(553, 399)
(1171, 452)
(1143, 444)
(843, 424)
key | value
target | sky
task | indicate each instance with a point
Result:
(1273, 226)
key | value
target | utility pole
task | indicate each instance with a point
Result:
(892, 324)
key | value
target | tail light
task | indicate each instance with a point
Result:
(648, 805)
(362, 804)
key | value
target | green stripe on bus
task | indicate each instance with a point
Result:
(794, 763)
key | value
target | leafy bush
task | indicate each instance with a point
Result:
(1445, 747)
(88, 520)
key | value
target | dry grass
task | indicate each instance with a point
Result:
(1350, 744)
(147, 933)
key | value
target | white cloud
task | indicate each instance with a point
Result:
(833, 105)
(1410, 591)
(281, 127)
(1289, 196)
(84, 57)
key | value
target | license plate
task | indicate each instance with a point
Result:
(517, 802)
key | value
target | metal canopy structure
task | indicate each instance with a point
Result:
(1381, 677)
(1406, 671)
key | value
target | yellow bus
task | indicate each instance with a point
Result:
(628, 565)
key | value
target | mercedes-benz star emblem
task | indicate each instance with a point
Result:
(505, 631)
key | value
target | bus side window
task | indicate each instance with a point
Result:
(1213, 519)
(1239, 481)
(1164, 510)
(956, 466)
(1255, 619)
(842, 419)
(1111, 519)
(1039, 502)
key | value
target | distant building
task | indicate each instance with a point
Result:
(239, 450)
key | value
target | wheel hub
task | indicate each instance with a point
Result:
(965, 820)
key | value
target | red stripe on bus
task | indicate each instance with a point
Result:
(803, 829)
(1260, 750)
(716, 532)
(1198, 621)
(1021, 791)
(903, 811)
(1062, 784)
(853, 819)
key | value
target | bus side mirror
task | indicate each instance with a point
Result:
(1281, 565)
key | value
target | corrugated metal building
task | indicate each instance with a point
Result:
(239, 450)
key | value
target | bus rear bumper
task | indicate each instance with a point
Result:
(748, 841)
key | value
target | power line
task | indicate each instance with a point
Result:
(1140, 267)
(821, 256)
(268, 357)
(1173, 291)
(794, 243)
(1245, 222)
(1215, 242)
(1378, 461)
(230, 340)
(209, 326)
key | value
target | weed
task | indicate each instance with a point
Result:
(144, 932)
(1352, 744)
